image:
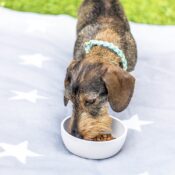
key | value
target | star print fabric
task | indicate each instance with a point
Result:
(35, 50)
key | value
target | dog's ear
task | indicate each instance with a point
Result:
(67, 81)
(66, 100)
(120, 86)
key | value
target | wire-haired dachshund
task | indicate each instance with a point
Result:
(93, 79)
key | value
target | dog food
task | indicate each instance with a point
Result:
(103, 137)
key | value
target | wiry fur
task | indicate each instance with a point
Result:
(90, 127)
(98, 76)
(103, 16)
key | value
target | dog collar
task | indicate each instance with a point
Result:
(88, 46)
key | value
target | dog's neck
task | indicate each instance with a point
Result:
(102, 54)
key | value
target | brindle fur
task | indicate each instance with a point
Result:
(91, 76)
(89, 127)
(104, 16)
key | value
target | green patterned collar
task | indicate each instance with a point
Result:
(88, 46)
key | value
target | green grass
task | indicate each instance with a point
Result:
(142, 11)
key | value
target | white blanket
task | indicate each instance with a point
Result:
(34, 53)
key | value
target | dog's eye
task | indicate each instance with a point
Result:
(89, 102)
(102, 94)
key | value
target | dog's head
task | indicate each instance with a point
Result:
(90, 86)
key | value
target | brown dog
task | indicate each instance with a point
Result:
(96, 78)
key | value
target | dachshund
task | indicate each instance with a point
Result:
(96, 79)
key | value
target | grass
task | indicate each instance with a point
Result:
(141, 11)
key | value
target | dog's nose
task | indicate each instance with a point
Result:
(75, 133)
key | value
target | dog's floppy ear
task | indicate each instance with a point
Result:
(67, 81)
(120, 86)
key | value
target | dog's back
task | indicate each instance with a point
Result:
(101, 15)
(91, 11)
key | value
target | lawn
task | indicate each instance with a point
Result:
(142, 11)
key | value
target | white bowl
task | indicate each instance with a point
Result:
(94, 149)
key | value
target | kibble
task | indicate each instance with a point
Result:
(103, 137)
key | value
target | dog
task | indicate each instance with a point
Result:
(96, 79)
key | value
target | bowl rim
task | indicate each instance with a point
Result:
(91, 141)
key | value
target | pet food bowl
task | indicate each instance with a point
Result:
(95, 149)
